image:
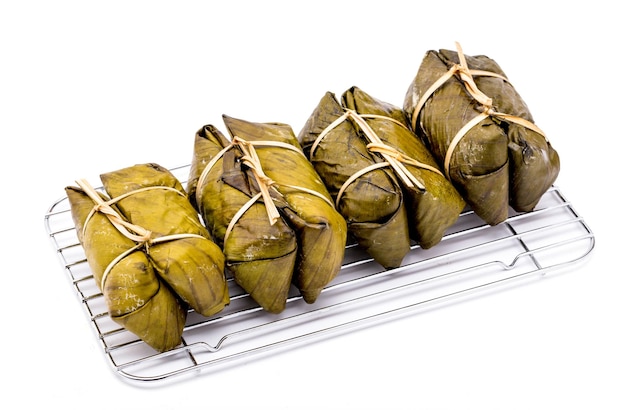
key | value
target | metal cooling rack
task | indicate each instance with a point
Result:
(473, 258)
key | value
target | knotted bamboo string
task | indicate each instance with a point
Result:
(133, 232)
(136, 233)
(466, 76)
(393, 158)
(251, 159)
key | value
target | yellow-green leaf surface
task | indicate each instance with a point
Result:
(373, 205)
(192, 265)
(308, 209)
(135, 296)
(431, 210)
(261, 256)
(497, 163)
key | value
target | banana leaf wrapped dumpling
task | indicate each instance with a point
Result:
(149, 252)
(267, 207)
(481, 132)
(136, 298)
(373, 205)
(383, 179)
(433, 204)
(260, 254)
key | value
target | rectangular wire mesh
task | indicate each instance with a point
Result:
(472, 258)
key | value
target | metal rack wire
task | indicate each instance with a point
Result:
(473, 258)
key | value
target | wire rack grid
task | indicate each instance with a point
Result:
(472, 259)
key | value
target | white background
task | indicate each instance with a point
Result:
(88, 87)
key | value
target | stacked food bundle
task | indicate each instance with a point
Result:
(275, 209)
(269, 210)
(149, 252)
(481, 132)
(383, 179)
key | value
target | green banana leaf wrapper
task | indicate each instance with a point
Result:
(498, 162)
(436, 207)
(304, 246)
(373, 206)
(191, 263)
(261, 256)
(534, 163)
(382, 211)
(136, 298)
